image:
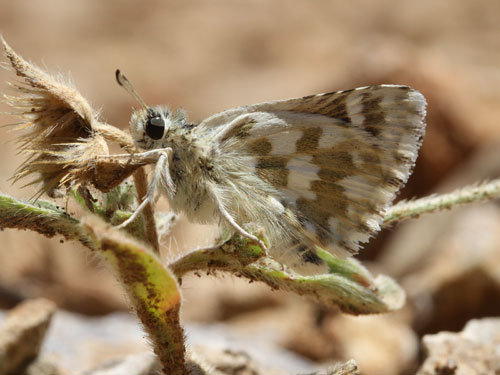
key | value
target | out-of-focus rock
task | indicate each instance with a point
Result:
(42, 366)
(64, 273)
(144, 363)
(473, 351)
(77, 344)
(22, 334)
(225, 297)
(229, 362)
(216, 363)
(319, 335)
(461, 279)
(81, 343)
(327, 337)
(368, 339)
(207, 362)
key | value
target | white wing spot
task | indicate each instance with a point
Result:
(285, 142)
(301, 173)
(355, 109)
(331, 136)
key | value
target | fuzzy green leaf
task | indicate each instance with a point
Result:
(42, 216)
(151, 289)
(348, 285)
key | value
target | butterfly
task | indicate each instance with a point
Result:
(313, 171)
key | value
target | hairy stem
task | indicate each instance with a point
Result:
(43, 217)
(141, 185)
(472, 193)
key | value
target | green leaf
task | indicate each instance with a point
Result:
(151, 289)
(348, 285)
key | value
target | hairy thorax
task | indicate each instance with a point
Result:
(191, 173)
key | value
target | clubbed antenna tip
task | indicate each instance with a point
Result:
(125, 83)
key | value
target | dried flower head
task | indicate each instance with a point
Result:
(65, 141)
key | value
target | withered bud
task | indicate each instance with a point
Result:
(63, 136)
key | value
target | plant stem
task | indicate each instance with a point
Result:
(472, 193)
(141, 186)
(43, 217)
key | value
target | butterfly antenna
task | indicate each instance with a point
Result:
(125, 83)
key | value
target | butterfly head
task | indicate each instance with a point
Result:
(152, 127)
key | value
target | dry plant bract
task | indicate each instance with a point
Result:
(64, 138)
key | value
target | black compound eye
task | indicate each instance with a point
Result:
(155, 126)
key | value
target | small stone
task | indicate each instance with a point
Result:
(23, 332)
(470, 352)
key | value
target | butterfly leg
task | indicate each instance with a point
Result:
(161, 175)
(150, 156)
(236, 227)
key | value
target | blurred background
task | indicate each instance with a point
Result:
(207, 56)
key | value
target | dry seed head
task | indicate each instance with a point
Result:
(63, 136)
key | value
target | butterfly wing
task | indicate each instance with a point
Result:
(336, 159)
